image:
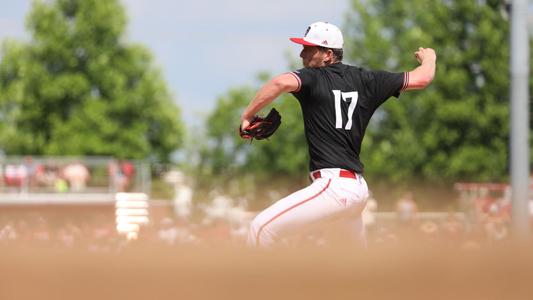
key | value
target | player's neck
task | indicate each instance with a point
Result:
(331, 63)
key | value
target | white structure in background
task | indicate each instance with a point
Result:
(182, 193)
(131, 211)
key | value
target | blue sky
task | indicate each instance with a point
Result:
(204, 47)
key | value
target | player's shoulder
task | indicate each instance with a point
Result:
(307, 75)
(305, 71)
(364, 73)
(359, 69)
(354, 70)
(319, 71)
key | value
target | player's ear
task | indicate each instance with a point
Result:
(329, 57)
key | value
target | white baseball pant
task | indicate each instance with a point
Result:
(334, 195)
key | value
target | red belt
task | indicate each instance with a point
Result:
(342, 173)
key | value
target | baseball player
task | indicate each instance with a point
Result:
(337, 102)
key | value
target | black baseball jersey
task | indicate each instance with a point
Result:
(337, 103)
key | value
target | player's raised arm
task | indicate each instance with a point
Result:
(423, 75)
(283, 83)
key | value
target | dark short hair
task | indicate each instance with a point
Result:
(338, 53)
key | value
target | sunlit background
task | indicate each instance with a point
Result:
(118, 137)
(207, 46)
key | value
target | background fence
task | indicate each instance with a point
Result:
(35, 179)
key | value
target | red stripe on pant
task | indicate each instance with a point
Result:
(281, 213)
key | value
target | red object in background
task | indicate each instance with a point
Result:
(14, 175)
(127, 169)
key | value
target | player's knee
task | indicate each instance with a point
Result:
(258, 234)
(255, 226)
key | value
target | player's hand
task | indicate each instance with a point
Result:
(244, 124)
(425, 54)
(260, 127)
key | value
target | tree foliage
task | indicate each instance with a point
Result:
(458, 128)
(284, 154)
(78, 89)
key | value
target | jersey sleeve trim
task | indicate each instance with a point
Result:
(297, 79)
(405, 81)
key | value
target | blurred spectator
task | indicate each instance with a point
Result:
(40, 175)
(31, 171)
(119, 173)
(15, 175)
(60, 185)
(115, 175)
(483, 204)
(46, 175)
(128, 169)
(505, 208)
(77, 176)
(182, 193)
(10, 175)
(406, 209)
(495, 224)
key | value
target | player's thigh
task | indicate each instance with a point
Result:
(307, 206)
(355, 191)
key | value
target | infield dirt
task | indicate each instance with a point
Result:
(402, 271)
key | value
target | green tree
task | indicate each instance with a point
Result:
(78, 89)
(458, 128)
(223, 149)
(285, 154)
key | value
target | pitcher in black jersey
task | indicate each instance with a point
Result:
(337, 102)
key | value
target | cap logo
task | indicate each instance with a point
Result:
(324, 42)
(307, 31)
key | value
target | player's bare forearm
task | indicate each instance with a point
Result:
(423, 75)
(264, 96)
(269, 92)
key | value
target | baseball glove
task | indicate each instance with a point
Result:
(262, 127)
